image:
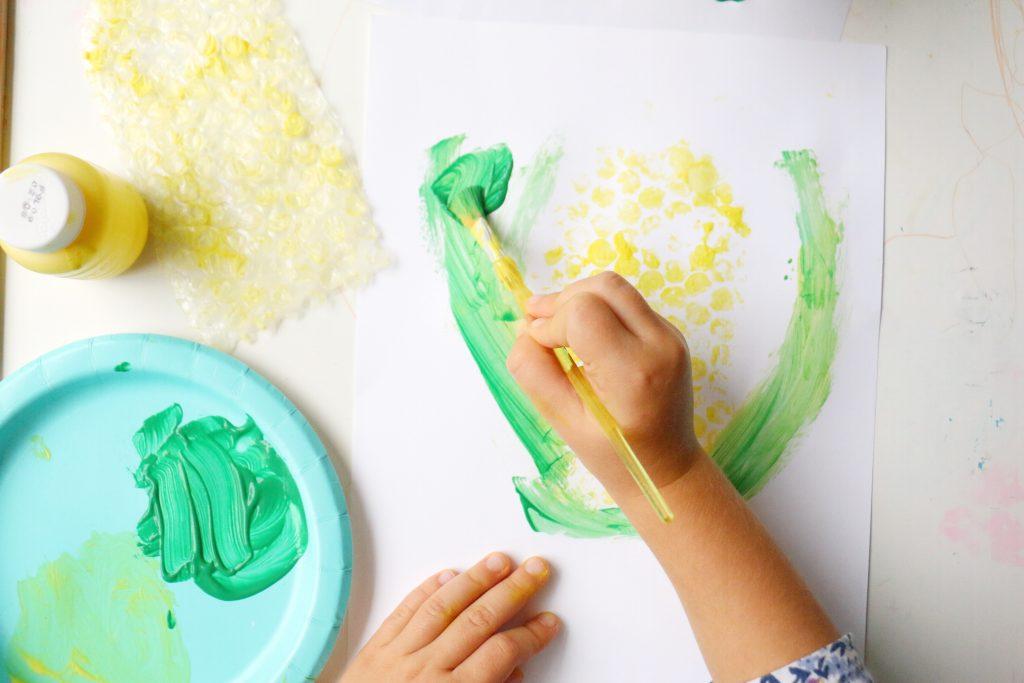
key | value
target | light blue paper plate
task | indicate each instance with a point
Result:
(85, 411)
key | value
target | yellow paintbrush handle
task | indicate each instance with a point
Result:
(614, 433)
(508, 274)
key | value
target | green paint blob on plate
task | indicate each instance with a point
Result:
(223, 507)
(123, 366)
(98, 615)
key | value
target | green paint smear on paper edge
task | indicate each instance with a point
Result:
(223, 508)
(751, 448)
(100, 615)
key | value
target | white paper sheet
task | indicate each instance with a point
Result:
(806, 19)
(434, 457)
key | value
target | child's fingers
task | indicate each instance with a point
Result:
(401, 615)
(494, 609)
(536, 370)
(622, 297)
(589, 325)
(504, 652)
(442, 606)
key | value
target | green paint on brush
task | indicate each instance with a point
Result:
(98, 615)
(171, 621)
(223, 508)
(124, 366)
(750, 450)
(475, 184)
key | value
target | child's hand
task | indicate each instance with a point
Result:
(447, 629)
(637, 363)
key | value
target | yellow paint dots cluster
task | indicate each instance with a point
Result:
(257, 209)
(668, 223)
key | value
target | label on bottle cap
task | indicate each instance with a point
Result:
(41, 209)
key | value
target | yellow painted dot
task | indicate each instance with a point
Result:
(702, 257)
(624, 243)
(734, 214)
(679, 158)
(626, 266)
(697, 314)
(674, 271)
(630, 181)
(579, 210)
(699, 367)
(697, 283)
(702, 176)
(651, 259)
(700, 427)
(629, 213)
(719, 354)
(674, 296)
(722, 299)
(553, 256)
(723, 192)
(650, 282)
(602, 196)
(600, 253)
(721, 327)
(651, 197)
(650, 223)
(607, 169)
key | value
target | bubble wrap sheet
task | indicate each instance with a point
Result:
(257, 207)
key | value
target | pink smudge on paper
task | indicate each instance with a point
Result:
(992, 520)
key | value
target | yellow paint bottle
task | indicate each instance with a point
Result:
(63, 216)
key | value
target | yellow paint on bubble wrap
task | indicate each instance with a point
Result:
(668, 223)
(257, 207)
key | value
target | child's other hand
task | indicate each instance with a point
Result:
(448, 628)
(636, 361)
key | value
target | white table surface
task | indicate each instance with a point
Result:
(952, 353)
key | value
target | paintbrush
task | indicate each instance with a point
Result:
(473, 187)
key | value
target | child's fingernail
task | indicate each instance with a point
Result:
(548, 620)
(536, 566)
(446, 576)
(496, 562)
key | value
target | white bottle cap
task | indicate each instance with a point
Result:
(41, 209)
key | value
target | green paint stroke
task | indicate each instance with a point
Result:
(486, 314)
(97, 616)
(751, 448)
(123, 366)
(532, 196)
(223, 508)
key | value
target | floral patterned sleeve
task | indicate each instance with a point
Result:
(837, 662)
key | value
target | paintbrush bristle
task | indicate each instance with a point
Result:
(475, 184)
